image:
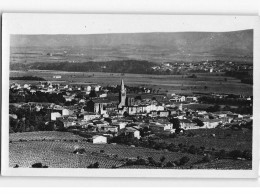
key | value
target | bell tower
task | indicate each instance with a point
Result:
(122, 95)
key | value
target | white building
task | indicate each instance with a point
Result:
(99, 139)
(132, 131)
(57, 76)
(55, 115)
(109, 128)
(90, 116)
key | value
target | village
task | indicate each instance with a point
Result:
(103, 113)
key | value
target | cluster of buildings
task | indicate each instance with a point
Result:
(203, 66)
(101, 117)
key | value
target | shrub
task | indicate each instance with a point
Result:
(16, 166)
(95, 165)
(221, 154)
(79, 151)
(184, 160)
(170, 164)
(173, 135)
(206, 159)
(140, 161)
(247, 154)
(235, 154)
(192, 149)
(177, 162)
(162, 159)
(39, 165)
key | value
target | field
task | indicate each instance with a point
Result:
(58, 153)
(226, 139)
(171, 83)
(55, 149)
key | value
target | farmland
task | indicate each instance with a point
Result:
(226, 139)
(59, 153)
(172, 83)
(55, 149)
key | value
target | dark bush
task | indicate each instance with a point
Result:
(140, 161)
(235, 154)
(247, 154)
(206, 159)
(79, 151)
(162, 159)
(95, 165)
(170, 164)
(184, 160)
(177, 162)
(39, 165)
(221, 154)
(192, 150)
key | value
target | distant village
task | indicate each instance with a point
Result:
(103, 113)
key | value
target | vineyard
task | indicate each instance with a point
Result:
(226, 139)
(36, 147)
(57, 150)
(43, 135)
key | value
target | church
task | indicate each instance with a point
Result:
(122, 95)
(127, 104)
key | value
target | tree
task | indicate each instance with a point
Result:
(236, 154)
(175, 122)
(95, 165)
(162, 159)
(126, 114)
(138, 98)
(198, 122)
(184, 160)
(92, 94)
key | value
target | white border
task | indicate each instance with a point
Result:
(115, 23)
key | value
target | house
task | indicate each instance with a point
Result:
(120, 125)
(210, 123)
(177, 98)
(61, 110)
(55, 115)
(57, 76)
(130, 131)
(163, 113)
(69, 98)
(100, 123)
(109, 128)
(65, 123)
(89, 116)
(221, 114)
(191, 99)
(187, 124)
(99, 139)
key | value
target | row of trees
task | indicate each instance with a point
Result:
(14, 97)
(224, 101)
(29, 120)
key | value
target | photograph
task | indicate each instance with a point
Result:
(145, 97)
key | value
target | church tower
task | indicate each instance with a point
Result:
(122, 95)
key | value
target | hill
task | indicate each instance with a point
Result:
(156, 47)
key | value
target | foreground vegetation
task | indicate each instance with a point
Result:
(65, 150)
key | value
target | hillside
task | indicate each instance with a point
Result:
(155, 47)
